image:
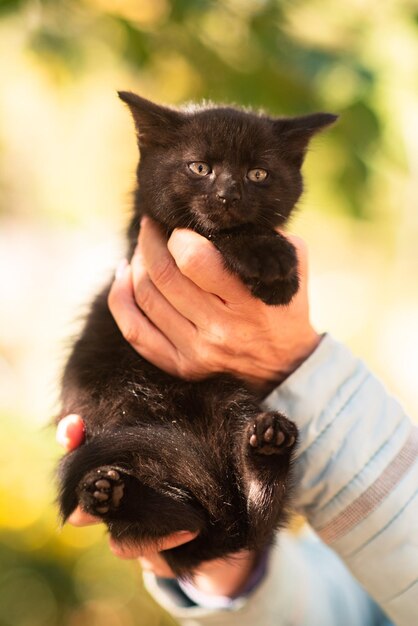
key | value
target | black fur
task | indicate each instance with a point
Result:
(164, 454)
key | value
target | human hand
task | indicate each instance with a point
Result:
(178, 306)
(200, 319)
(217, 577)
(70, 434)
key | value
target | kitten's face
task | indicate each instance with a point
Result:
(217, 168)
(224, 170)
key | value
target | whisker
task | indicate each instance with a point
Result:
(263, 221)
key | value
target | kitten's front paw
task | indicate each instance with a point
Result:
(271, 433)
(278, 292)
(101, 491)
(269, 269)
(268, 261)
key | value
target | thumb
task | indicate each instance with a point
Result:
(70, 432)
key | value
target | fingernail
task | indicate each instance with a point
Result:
(120, 270)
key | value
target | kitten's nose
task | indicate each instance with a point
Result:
(230, 194)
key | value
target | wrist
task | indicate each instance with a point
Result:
(282, 363)
(301, 351)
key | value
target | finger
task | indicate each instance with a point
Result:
(198, 260)
(70, 432)
(176, 539)
(157, 565)
(150, 556)
(178, 329)
(129, 551)
(184, 295)
(144, 337)
(80, 518)
(124, 550)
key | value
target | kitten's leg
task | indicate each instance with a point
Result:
(134, 511)
(134, 483)
(267, 447)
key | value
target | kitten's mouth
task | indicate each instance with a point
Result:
(223, 222)
(223, 217)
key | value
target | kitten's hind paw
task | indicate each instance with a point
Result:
(101, 491)
(271, 433)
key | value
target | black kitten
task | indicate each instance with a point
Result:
(163, 454)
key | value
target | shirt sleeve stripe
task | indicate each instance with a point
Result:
(370, 499)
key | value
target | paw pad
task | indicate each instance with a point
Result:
(101, 491)
(272, 433)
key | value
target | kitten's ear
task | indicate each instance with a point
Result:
(296, 132)
(155, 124)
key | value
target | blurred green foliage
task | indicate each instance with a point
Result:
(357, 59)
(287, 57)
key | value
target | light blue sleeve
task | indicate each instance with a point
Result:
(306, 585)
(357, 476)
(357, 473)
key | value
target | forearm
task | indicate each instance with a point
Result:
(357, 472)
(356, 469)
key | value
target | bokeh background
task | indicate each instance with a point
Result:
(67, 160)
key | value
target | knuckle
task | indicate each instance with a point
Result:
(192, 366)
(162, 272)
(220, 336)
(185, 368)
(227, 343)
(191, 258)
(186, 258)
(201, 355)
(204, 356)
(131, 334)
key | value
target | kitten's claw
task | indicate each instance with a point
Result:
(272, 433)
(101, 491)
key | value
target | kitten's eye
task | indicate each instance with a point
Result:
(257, 175)
(200, 168)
